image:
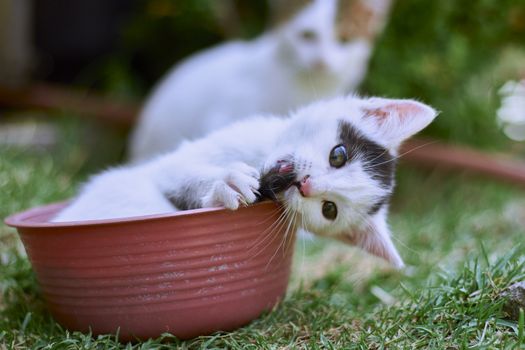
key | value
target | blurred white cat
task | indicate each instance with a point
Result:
(321, 52)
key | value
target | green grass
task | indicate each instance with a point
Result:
(459, 235)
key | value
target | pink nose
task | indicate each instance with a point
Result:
(305, 186)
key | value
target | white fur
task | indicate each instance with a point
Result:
(223, 169)
(274, 73)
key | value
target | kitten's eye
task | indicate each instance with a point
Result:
(329, 210)
(338, 156)
(308, 35)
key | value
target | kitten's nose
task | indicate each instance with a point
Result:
(304, 186)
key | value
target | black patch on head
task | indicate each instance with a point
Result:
(378, 205)
(377, 160)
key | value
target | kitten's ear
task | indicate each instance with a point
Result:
(375, 239)
(362, 18)
(393, 121)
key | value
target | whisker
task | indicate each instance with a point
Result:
(303, 224)
(404, 245)
(290, 214)
(404, 154)
(290, 232)
(379, 156)
(267, 240)
(276, 250)
(267, 233)
(274, 235)
(277, 210)
(281, 214)
(278, 227)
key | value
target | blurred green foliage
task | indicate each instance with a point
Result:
(162, 32)
(452, 54)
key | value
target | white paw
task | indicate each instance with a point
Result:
(238, 186)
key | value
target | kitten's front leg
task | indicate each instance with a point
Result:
(190, 185)
(236, 185)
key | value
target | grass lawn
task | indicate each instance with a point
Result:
(460, 236)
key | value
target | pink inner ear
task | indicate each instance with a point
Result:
(379, 114)
(401, 110)
(404, 109)
(393, 121)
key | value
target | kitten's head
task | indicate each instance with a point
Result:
(334, 167)
(332, 36)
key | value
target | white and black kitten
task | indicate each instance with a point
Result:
(331, 163)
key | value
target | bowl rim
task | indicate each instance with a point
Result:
(20, 219)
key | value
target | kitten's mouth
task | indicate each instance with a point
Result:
(303, 186)
(278, 179)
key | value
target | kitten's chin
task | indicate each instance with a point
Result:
(301, 207)
(291, 198)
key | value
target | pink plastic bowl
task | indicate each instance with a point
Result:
(189, 273)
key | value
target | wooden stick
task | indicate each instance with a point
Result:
(435, 154)
(44, 96)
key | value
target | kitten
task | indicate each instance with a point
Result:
(321, 52)
(330, 163)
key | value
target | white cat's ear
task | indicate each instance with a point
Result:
(375, 239)
(362, 18)
(393, 121)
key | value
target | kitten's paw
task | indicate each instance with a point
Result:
(238, 187)
(246, 170)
